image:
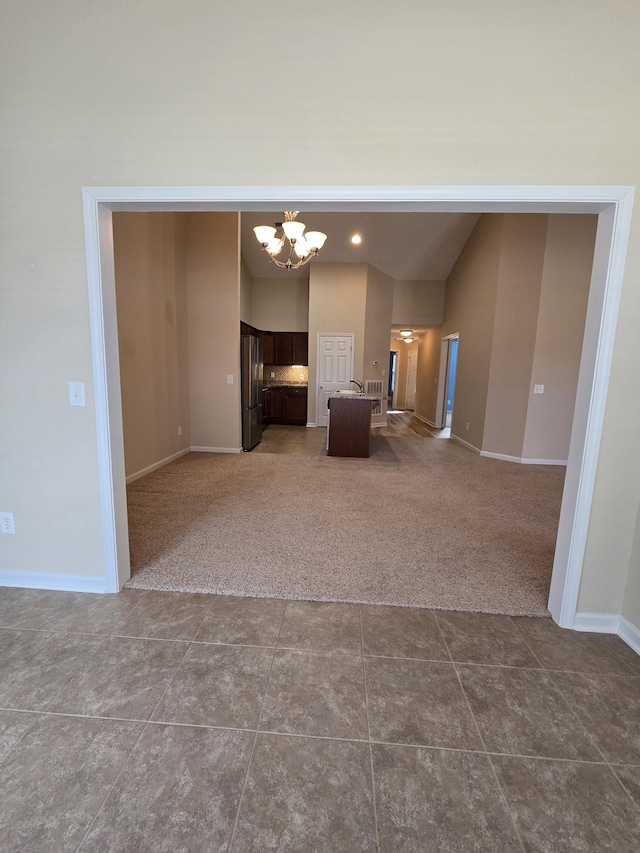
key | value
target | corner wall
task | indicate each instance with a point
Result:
(378, 308)
(469, 310)
(522, 251)
(564, 294)
(280, 304)
(213, 312)
(337, 297)
(149, 252)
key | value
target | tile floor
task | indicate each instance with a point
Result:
(293, 441)
(312, 441)
(156, 721)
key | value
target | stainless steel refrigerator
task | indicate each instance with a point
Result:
(251, 391)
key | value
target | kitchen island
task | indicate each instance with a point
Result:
(349, 428)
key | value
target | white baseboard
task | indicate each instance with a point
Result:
(380, 424)
(564, 462)
(312, 425)
(144, 471)
(521, 460)
(609, 623)
(465, 443)
(630, 633)
(216, 449)
(426, 421)
(601, 623)
(49, 580)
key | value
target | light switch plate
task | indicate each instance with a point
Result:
(229, 378)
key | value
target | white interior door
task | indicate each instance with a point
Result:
(412, 376)
(335, 366)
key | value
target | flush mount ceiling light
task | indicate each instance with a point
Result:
(406, 333)
(408, 340)
(302, 246)
(356, 239)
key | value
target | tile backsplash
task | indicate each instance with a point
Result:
(285, 375)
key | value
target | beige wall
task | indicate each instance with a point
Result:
(470, 303)
(564, 293)
(164, 94)
(631, 603)
(246, 292)
(427, 379)
(213, 311)
(152, 334)
(514, 334)
(280, 304)
(337, 299)
(379, 304)
(418, 303)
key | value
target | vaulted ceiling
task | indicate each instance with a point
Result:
(410, 246)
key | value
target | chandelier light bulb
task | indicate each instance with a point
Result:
(274, 246)
(264, 233)
(315, 240)
(293, 230)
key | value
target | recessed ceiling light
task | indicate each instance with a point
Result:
(406, 333)
(356, 239)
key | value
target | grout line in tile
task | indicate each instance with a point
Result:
(624, 787)
(528, 644)
(255, 737)
(352, 654)
(36, 715)
(366, 705)
(126, 761)
(473, 717)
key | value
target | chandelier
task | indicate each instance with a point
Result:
(303, 247)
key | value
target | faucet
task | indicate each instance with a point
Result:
(359, 384)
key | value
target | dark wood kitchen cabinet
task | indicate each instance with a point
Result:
(268, 347)
(274, 405)
(300, 348)
(295, 406)
(286, 405)
(284, 348)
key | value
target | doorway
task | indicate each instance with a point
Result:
(412, 379)
(449, 354)
(393, 368)
(614, 207)
(335, 370)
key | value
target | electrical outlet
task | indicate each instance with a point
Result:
(7, 524)
(467, 426)
(179, 430)
(273, 375)
(538, 389)
(76, 393)
(229, 378)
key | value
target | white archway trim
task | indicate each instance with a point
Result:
(614, 206)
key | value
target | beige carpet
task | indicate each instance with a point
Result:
(421, 523)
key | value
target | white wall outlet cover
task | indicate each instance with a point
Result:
(179, 430)
(538, 389)
(7, 523)
(76, 393)
(229, 378)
